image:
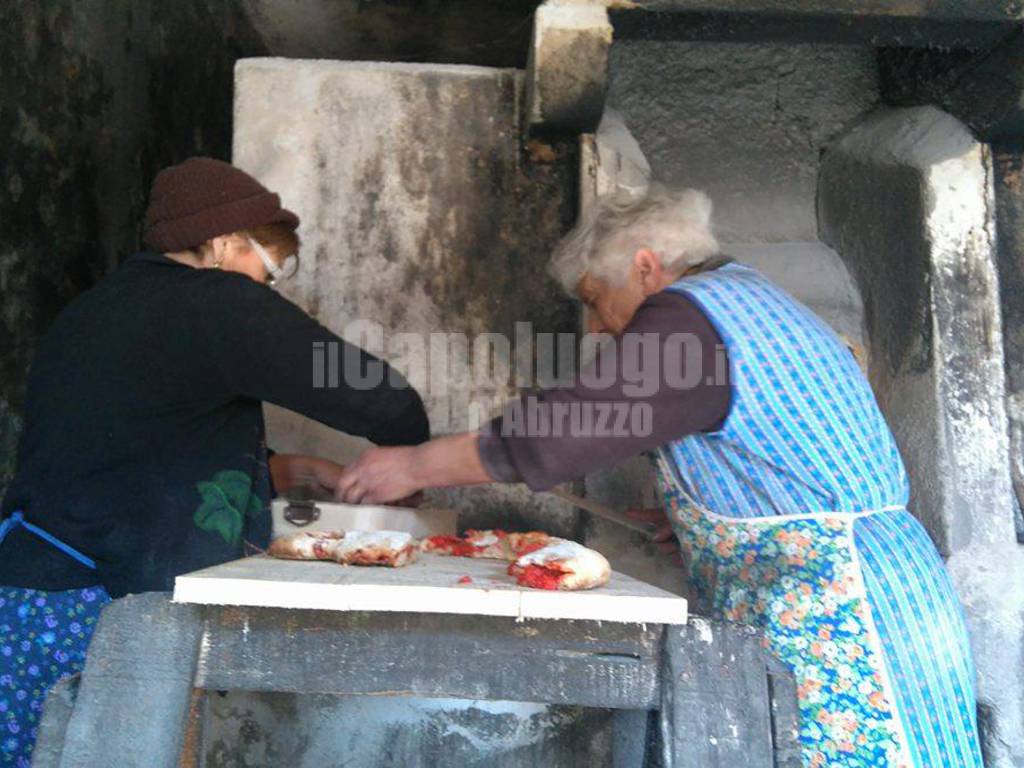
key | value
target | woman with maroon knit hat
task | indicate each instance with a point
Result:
(143, 454)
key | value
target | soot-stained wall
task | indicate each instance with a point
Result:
(94, 99)
(97, 96)
(746, 122)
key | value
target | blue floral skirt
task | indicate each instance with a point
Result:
(43, 638)
(860, 608)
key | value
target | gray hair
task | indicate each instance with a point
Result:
(674, 224)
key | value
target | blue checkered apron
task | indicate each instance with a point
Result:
(793, 517)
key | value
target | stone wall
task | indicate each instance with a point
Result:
(746, 122)
(1008, 167)
(424, 218)
(906, 198)
(96, 97)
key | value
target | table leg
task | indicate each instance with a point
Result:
(133, 702)
(60, 703)
(715, 710)
(785, 715)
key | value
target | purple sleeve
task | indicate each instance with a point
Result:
(665, 377)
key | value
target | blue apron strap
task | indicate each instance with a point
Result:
(7, 524)
(18, 518)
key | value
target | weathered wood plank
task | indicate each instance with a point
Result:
(785, 715)
(133, 702)
(629, 738)
(60, 702)
(715, 710)
(149, 656)
(565, 662)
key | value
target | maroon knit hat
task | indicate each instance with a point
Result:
(203, 198)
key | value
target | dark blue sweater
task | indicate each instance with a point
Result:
(143, 444)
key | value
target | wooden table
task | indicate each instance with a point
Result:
(432, 584)
(718, 701)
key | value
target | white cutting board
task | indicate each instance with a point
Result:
(430, 585)
(334, 516)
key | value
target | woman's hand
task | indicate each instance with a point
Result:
(291, 470)
(664, 537)
(383, 475)
(324, 474)
(378, 476)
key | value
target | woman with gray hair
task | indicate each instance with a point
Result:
(781, 480)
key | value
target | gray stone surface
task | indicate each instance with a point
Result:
(906, 200)
(982, 88)
(610, 161)
(566, 76)
(939, 23)
(421, 213)
(745, 122)
(1009, 191)
(96, 98)
(813, 274)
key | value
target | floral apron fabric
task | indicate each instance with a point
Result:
(43, 638)
(792, 517)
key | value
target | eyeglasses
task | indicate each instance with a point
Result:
(276, 272)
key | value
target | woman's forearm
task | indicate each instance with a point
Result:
(447, 461)
(281, 474)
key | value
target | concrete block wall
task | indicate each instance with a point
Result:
(906, 199)
(421, 213)
(746, 122)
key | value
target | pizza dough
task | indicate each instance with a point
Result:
(308, 545)
(523, 543)
(538, 560)
(489, 544)
(562, 565)
(388, 548)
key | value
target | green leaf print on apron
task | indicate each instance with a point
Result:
(226, 500)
